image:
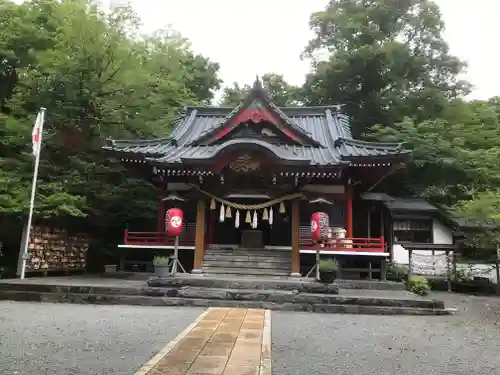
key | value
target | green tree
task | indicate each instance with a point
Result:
(97, 79)
(383, 59)
(454, 157)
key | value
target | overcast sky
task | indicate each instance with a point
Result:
(259, 36)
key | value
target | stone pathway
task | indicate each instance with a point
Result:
(223, 341)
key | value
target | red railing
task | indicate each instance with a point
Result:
(363, 245)
(159, 238)
(356, 245)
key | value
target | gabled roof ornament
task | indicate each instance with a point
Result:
(174, 196)
(259, 90)
(321, 200)
(257, 85)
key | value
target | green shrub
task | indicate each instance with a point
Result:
(161, 260)
(418, 285)
(328, 265)
(395, 272)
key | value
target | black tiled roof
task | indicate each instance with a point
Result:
(410, 204)
(327, 128)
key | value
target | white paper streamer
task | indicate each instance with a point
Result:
(237, 219)
(254, 220)
(222, 213)
(271, 216)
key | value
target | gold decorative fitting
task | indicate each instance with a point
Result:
(244, 164)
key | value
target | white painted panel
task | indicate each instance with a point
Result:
(441, 233)
(399, 254)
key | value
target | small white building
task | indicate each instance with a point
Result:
(420, 226)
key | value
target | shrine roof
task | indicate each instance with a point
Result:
(325, 125)
(318, 136)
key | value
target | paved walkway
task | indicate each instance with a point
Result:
(221, 341)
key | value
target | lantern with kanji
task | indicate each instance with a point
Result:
(173, 221)
(320, 224)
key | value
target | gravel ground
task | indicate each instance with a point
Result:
(467, 343)
(63, 339)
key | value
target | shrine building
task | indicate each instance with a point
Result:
(248, 180)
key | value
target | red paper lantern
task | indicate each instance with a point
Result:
(173, 221)
(320, 223)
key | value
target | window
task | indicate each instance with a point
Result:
(413, 230)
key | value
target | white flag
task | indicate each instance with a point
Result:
(37, 133)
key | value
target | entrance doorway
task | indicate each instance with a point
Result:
(277, 234)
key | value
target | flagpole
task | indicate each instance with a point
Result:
(25, 254)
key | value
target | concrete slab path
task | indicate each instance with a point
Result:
(222, 341)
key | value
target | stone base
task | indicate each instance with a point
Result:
(295, 275)
(197, 271)
(220, 298)
(288, 295)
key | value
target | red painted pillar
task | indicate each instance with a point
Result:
(160, 224)
(348, 211)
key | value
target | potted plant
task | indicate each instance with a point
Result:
(162, 266)
(328, 270)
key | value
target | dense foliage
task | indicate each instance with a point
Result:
(385, 60)
(97, 78)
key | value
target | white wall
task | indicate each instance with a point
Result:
(441, 233)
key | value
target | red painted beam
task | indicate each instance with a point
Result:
(348, 210)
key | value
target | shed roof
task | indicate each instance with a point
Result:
(410, 204)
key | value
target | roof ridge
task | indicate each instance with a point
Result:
(295, 107)
(117, 142)
(352, 141)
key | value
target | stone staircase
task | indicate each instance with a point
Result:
(247, 262)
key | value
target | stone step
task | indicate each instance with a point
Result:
(280, 296)
(308, 285)
(250, 249)
(251, 253)
(140, 300)
(248, 260)
(246, 257)
(213, 270)
(247, 264)
(236, 275)
(250, 256)
(270, 295)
